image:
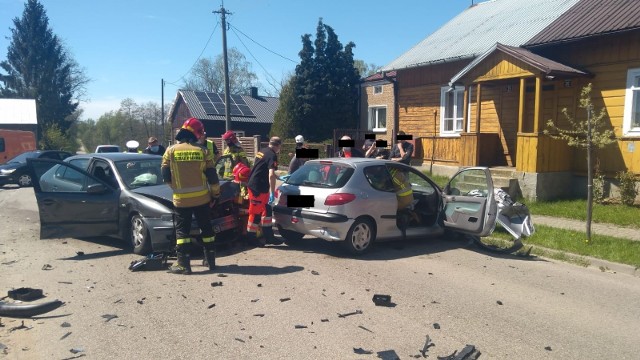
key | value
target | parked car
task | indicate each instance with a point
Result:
(15, 171)
(122, 195)
(107, 148)
(352, 201)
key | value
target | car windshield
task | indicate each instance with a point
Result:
(22, 158)
(322, 175)
(139, 173)
(104, 149)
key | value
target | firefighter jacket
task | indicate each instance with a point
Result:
(191, 172)
(237, 155)
(402, 187)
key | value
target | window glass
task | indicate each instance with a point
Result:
(452, 110)
(631, 118)
(321, 174)
(377, 89)
(2, 145)
(419, 183)
(635, 112)
(378, 177)
(377, 118)
(472, 182)
(138, 173)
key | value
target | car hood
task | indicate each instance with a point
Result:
(164, 194)
(11, 166)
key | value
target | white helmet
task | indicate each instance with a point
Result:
(132, 144)
(299, 139)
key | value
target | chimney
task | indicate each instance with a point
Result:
(254, 92)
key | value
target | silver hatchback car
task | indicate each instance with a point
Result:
(353, 201)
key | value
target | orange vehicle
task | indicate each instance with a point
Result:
(15, 142)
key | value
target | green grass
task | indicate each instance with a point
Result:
(617, 214)
(603, 247)
(438, 179)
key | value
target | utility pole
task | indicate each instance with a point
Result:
(162, 110)
(227, 109)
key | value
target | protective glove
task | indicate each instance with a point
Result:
(214, 191)
(272, 198)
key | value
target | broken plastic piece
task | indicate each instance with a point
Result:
(361, 351)
(357, 312)
(109, 317)
(388, 355)
(28, 310)
(383, 300)
(25, 294)
(427, 345)
(216, 283)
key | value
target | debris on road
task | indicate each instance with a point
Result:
(324, 320)
(255, 300)
(222, 275)
(499, 302)
(258, 315)
(313, 272)
(79, 253)
(65, 282)
(300, 326)
(47, 267)
(65, 324)
(388, 355)
(25, 294)
(10, 262)
(357, 312)
(285, 299)
(364, 328)
(238, 339)
(361, 351)
(383, 300)
(20, 327)
(469, 352)
(436, 326)
(65, 335)
(548, 348)
(76, 350)
(109, 317)
(216, 283)
(118, 301)
(28, 310)
(211, 306)
(427, 344)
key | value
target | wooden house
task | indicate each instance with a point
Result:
(480, 90)
(250, 114)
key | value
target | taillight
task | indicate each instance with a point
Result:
(339, 199)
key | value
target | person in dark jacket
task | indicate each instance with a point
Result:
(154, 148)
(295, 161)
(348, 152)
(402, 151)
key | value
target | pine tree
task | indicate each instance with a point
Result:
(39, 67)
(324, 89)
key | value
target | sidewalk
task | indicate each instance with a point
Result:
(596, 228)
(600, 229)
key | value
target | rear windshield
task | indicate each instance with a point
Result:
(322, 175)
(104, 149)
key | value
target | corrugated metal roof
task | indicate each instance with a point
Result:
(546, 66)
(591, 17)
(18, 111)
(264, 108)
(472, 32)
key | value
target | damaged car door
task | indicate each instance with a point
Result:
(71, 202)
(469, 204)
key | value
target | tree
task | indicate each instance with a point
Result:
(365, 69)
(589, 134)
(322, 95)
(39, 67)
(208, 75)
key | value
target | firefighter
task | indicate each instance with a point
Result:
(262, 187)
(241, 176)
(211, 146)
(402, 187)
(236, 151)
(189, 170)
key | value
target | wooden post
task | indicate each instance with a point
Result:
(465, 113)
(478, 107)
(536, 107)
(521, 104)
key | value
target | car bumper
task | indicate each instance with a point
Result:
(330, 227)
(7, 179)
(162, 234)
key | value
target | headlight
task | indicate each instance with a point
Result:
(7, 171)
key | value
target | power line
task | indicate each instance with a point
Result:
(254, 58)
(199, 56)
(262, 46)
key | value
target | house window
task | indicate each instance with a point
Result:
(378, 118)
(377, 89)
(631, 120)
(451, 111)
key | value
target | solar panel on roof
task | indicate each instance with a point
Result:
(237, 99)
(213, 104)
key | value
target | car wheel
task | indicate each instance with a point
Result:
(360, 237)
(290, 237)
(24, 180)
(139, 236)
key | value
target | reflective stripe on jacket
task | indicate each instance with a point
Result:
(237, 155)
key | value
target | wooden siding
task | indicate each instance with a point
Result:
(445, 151)
(419, 110)
(499, 66)
(542, 154)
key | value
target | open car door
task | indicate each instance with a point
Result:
(469, 203)
(72, 203)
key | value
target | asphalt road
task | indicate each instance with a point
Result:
(280, 302)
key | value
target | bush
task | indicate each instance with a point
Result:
(628, 187)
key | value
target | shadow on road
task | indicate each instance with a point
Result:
(255, 269)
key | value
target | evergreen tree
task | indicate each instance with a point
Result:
(39, 67)
(323, 92)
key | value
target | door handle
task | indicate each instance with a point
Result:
(48, 202)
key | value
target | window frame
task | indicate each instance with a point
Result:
(458, 95)
(628, 130)
(378, 89)
(370, 121)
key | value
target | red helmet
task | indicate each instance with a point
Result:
(241, 172)
(229, 136)
(195, 126)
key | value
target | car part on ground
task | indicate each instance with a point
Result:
(28, 310)
(25, 294)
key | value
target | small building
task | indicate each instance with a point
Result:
(377, 105)
(250, 114)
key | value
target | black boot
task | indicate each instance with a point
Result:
(210, 258)
(183, 264)
(270, 238)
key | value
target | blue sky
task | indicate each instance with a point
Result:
(127, 47)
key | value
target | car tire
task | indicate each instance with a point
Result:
(360, 237)
(139, 235)
(24, 180)
(291, 238)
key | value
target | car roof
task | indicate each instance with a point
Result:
(355, 161)
(115, 156)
